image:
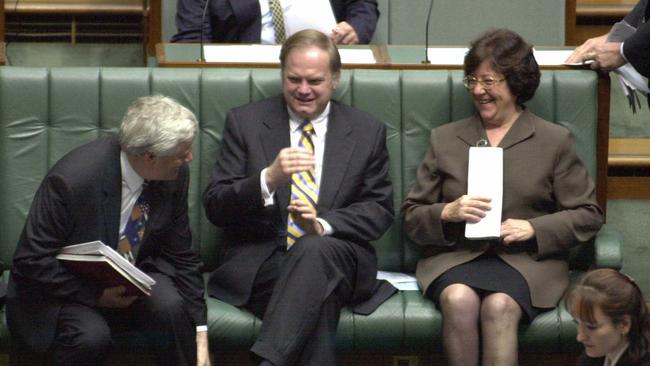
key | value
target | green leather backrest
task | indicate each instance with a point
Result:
(44, 113)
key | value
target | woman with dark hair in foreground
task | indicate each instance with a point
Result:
(612, 319)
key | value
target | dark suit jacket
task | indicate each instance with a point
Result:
(78, 201)
(239, 21)
(544, 182)
(637, 48)
(355, 195)
(585, 360)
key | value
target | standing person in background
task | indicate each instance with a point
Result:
(611, 50)
(612, 319)
(251, 21)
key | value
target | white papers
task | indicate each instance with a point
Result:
(551, 57)
(400, 281)
(485, 178)
(628, 74)
(312, 14)
(257, 53)
(242, 53)
(447, 55)
(357, 56)
(555, 58)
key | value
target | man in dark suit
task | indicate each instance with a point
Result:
(610, 52)
(91, 194)
(299, 289)
(240, 21)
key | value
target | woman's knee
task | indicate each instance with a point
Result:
(500, 307)
(459, 299)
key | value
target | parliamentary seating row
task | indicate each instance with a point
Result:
(44, 113)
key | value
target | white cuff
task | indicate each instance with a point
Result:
(327, 228)
(201, 328)
(267, 196)
(622, 54)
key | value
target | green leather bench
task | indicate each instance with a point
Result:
(46, 112)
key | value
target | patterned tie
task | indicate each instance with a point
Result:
(303, 185)
(278, 20)
(134, 229)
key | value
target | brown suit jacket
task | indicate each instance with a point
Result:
(544, 182)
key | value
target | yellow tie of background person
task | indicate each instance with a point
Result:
(303, 185)
(278, 20)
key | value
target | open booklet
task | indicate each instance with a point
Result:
(99, 262)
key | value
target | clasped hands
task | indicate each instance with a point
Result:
(292, 160)
(474, 208)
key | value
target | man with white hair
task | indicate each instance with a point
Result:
(104, 190)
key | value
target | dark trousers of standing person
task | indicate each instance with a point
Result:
(84, 333)
(299, 294)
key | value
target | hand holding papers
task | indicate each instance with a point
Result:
(485, 178)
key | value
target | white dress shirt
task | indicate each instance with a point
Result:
(131, 188)
(318, 139)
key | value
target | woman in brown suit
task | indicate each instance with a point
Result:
(485, 287)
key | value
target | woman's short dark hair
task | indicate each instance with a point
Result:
(617, 296)
(510, 55)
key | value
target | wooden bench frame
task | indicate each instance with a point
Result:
(149, 10)
(589, 19)
(629, 168)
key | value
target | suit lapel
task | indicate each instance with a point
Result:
(338, 149)
(274, 137)
(521, 130)
(112, 186)
(471, 131)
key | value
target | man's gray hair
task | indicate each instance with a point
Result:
(156, 124)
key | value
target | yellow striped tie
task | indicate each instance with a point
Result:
(303, 185)
(278, 20)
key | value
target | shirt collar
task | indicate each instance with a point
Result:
(129, 175)
(617, 356)
(319, 123)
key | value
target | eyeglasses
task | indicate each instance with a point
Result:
(470, 82)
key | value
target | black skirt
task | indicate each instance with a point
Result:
(490, 274)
